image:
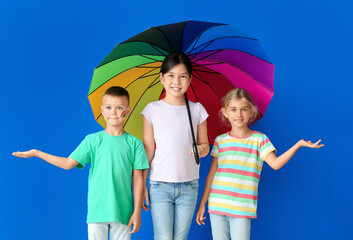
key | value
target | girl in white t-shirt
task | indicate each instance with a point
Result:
(174, 172)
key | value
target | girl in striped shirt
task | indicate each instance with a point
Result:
(238, 155)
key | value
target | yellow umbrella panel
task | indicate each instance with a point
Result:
(141, 81)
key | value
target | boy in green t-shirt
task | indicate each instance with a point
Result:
(115, 157)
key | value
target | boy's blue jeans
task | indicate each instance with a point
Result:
(100, 231)
(227, 228)
(172, 208)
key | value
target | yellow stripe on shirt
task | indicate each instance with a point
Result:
(232, 207)
(242, 163)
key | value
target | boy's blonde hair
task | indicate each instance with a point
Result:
(240, 93)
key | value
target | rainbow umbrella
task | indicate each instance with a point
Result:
(222, 56)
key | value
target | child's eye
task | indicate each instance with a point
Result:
(119, 108)
(170, 75)
(108, 108)
(244, 110)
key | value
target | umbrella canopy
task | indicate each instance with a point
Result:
(222, 57)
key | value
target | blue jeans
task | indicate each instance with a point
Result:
(226, 227)
(172, 208)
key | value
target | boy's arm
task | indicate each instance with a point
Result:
(148, 143)
(206, 192)
(145, 190)
(61, 162)
(137, 181)
(278, 162)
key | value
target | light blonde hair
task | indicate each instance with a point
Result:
(240, 93)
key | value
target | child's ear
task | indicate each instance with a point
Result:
(161, 77)
(101, 109)
(128, 111)
(224, 112)
(252, 115)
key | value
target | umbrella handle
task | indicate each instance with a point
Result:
(196, 153)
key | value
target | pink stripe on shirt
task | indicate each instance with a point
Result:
(229, 214)
(234, 194)
(239, 149)
(240, 172)
(264, 142)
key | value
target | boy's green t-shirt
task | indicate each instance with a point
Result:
(113, 158)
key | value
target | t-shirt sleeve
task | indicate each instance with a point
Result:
(203, 115)
(140, 157)
(215, 148)
(266, 147)
(147, 112)
(82, 154)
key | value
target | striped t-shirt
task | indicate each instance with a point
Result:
(234, 187)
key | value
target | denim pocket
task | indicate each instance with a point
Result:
(193, 185)
(155, 184)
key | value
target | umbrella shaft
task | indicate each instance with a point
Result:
(196, 154)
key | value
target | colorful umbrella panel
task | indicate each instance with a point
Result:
(223, 58)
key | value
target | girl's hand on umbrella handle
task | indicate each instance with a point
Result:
(309, 144)
(27, 154)
(145, 200)
(201, 150)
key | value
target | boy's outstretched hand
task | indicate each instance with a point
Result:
(309, 144)
(27, 154)
(135, 221)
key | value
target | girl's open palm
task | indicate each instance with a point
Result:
(309, 144)
(27, 154)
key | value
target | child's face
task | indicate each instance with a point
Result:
(238, 112)
(176, 81)
(115, 109)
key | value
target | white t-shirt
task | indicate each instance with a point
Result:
(172, 161)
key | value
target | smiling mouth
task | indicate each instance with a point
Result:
(176, 88)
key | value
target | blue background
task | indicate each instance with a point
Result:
(48, 51)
